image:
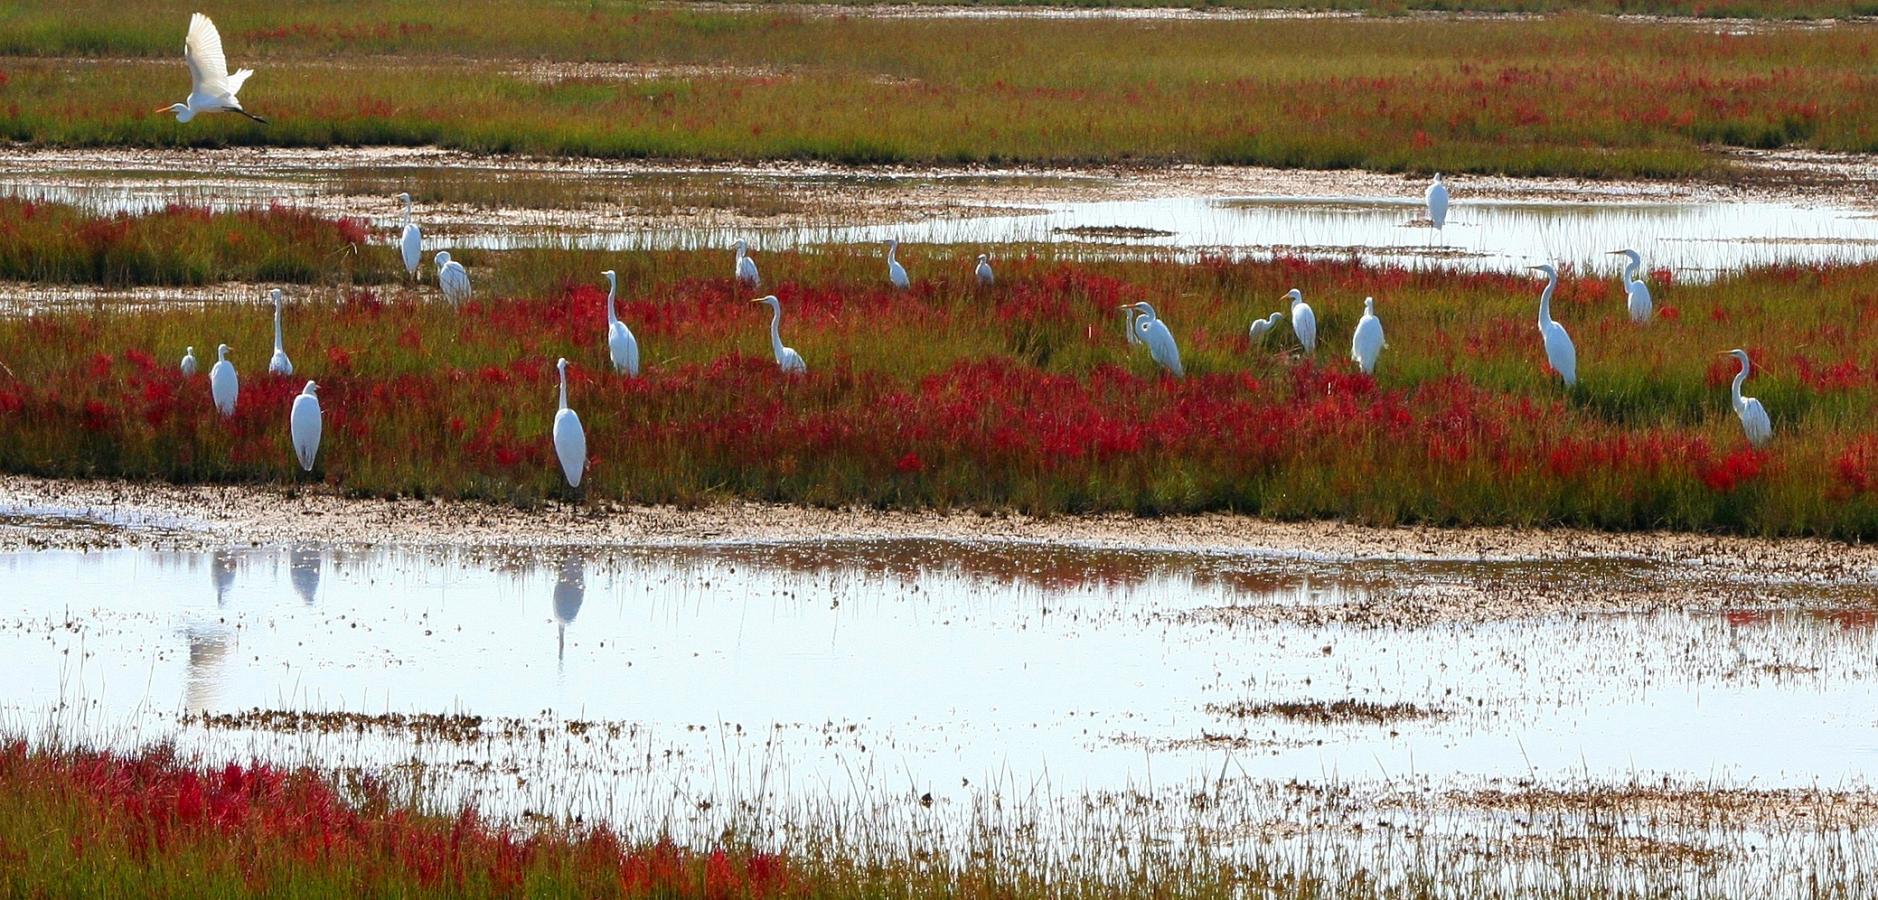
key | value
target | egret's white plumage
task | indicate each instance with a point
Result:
(1262, 327)
(411, 242)
(621, 347)
(1437, 199)
(303, 423)
(570, 440)
(278, 364)
(1560, 354)
(786, 357)
(896, 273)
(452, 278)
(1303, 320)
(1636, 292)
(984, 270)
(1754, 421)
(211, 88)
(1366, 342)
(746, 267)
(189, 362)
(223, 385)
(1160, 341)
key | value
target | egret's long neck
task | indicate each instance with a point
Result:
(775, 330)
(277, 328)
(407, 213)
(1741, 378)
(1545, 299)
(891, 250)
(1634, 271)
(563, 388)
(611, 316)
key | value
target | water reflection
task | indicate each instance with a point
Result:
(207, 648)
(570, 590)
(222, 574)
(303, 569)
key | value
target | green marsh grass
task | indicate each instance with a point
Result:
(1568, 95)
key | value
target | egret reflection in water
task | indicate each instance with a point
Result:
(222, 574)
(303, 569)
(570, 591)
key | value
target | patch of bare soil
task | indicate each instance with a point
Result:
(1319, 712)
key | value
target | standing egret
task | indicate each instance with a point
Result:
(570, 440)
(211, 88)
(452, 278)
(984, 270)
(1753, 416)
(1303, 320)
(1559, 351)
(1260, 327)
(303, 423)
(621, 346)
(786, 357)
(746, 267)
(279, 364)
(223, 386)
(1367, 342)
(189, 362)
(411, 242)
(1160, 341)
(1437, 199)
(1635, 289)
(896, 273)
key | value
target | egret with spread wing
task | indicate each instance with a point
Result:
(211, 88)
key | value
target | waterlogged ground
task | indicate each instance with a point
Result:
(1641, 711)
(1797, 208)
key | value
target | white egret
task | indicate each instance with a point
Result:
(570, 440)
(1303, 320)
(211, 88)
(1160, 341)
(1367, 342)
(189, 362)
(1753, 416)
(223, 385)
(786, 357)
(1437, 199)
(984, 270)
(746, 267)
(896, 273)
(411, 242)
(303, 423)
(621, 346)
(452, 278)
(1559, 352)
(1637, 292)
(279, 364)
(1261, 327)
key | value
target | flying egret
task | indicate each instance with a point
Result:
(1559, 351)
(786, 357)
(411, 243)
(211, 88)
(1753, 416)
(452, 278)
(189, 362)
(621, 346)
(304, 424)
(223, 386)
(570, 440)
(1367, 342)
(1303, 320)
(1437, 199)
(279, 364)
(984, 270)
(1160, 341)
(746, 267)
(896, 273)
(1260, 327)
(1634, 287)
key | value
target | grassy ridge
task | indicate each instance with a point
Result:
(1573, 95)
(1024, 396)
